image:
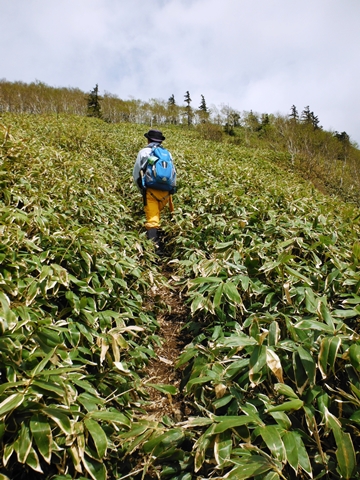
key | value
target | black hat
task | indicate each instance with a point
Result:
(154, 135)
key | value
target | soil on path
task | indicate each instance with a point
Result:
(161, 369)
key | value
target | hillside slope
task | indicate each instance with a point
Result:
(260, 286)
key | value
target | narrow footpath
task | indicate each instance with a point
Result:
(161, 370)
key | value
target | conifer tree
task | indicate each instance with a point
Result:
(171, 101)
(93, 103)
(342, 137)
(306, 115)
(315, 121)
(203, 110)
(203, 106)
(172, 110)
(344, 140)
(188, 108)
(294, 115)
(310, 118)
(265, 120)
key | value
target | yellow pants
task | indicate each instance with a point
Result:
(156, 200)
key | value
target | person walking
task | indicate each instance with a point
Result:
(156, 196)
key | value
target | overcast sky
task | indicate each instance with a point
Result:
(260, 55)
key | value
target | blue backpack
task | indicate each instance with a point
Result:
(159, 170)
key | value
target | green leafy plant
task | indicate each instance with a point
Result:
(268, 268)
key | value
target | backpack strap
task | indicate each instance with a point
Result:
(143, 186)
(169, 196)
(142, 173)
(160, 199)
(143, 168)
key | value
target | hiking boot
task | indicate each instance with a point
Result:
(153, 234)
(159, 249)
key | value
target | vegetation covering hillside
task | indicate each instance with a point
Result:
(329, 159)
(265, 267)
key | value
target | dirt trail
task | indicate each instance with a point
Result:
(161, 370)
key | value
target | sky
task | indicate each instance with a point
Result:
(259, 55)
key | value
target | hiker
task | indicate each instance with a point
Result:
(157, 189)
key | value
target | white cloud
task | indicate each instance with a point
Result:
(264, 55)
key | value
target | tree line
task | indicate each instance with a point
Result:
(39, 98)
(330, 159)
